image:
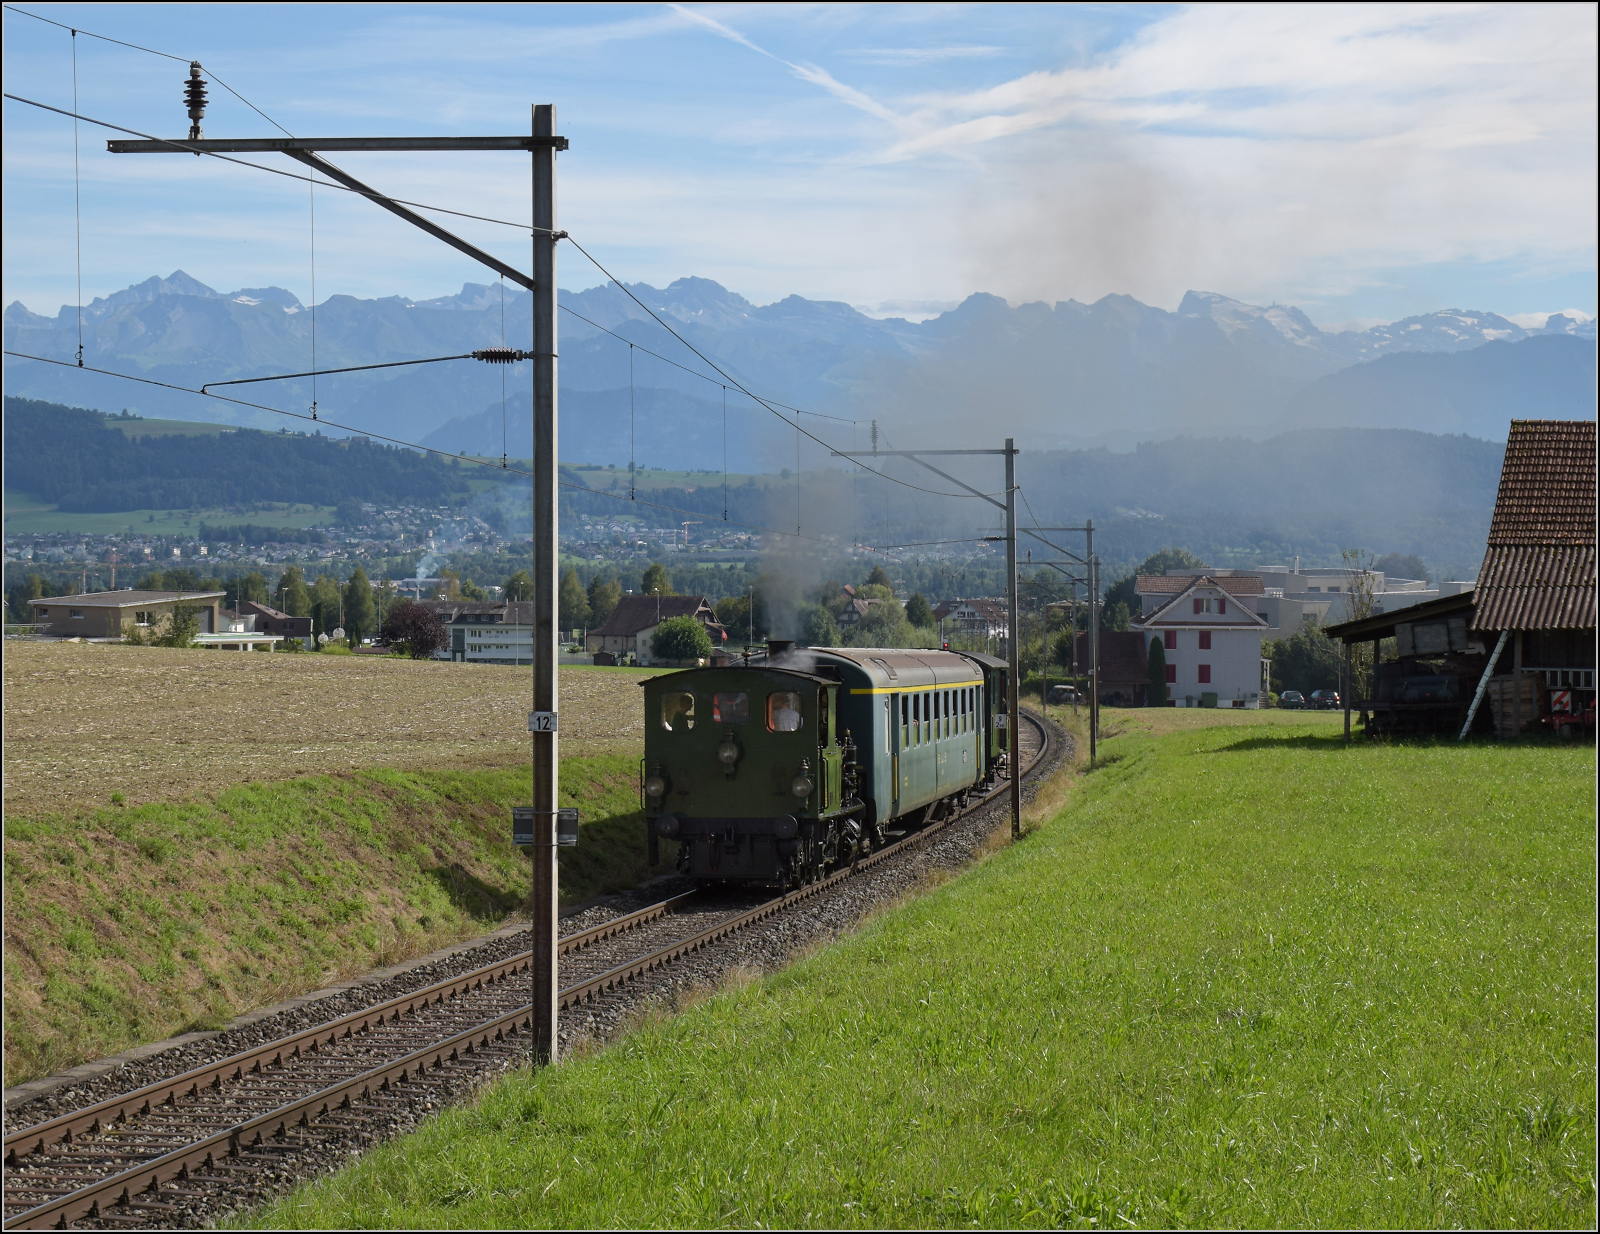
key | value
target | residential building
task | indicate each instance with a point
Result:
(633, 622)
(982, 619)
(271, 621)
(1211, 637)
(107, 615)
(854, 610)
(486, 631)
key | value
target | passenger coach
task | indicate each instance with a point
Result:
(772, 771)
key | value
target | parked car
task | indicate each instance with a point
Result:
(1063, 694)
(1325, 700)
(1292, 700)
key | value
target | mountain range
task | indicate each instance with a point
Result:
(1112, 373)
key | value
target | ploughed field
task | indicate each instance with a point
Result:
(190, 835)
(1246, 975)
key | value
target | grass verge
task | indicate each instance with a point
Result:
(131, 923)
(1247, 976)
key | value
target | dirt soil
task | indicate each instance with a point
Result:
(84, 720)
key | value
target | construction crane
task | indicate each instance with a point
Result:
(686, 525)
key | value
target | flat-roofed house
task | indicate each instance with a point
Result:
(108, 614)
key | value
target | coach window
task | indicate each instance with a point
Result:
(677, 712)
(905, 721)
(783, 712)
(730, 708)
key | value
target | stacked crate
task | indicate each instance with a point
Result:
(1518, 700)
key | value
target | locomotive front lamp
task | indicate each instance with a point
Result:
(801, 785)
(728, 753)
(655, 788)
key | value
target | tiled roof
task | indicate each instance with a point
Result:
(635, 613)
(1539, 570)
(1175, 584)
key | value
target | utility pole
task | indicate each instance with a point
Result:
(543, 143)
(1094, 643)
(1014, 655)
(546, 586)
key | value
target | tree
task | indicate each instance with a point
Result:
(180, 627)
(680, 638)
(360, 615)
(734, 612)
(884, 624)
(518, 587)
(1156, 694)
(415, 630)
(574, 603)
(656, 581)
(919, 612)
(879, 578)
(449, 587)
(603, 597)
(1307, 660)
(817, 627)
(1360, 603)
(32, 588)
(242, 587)
(1402, 565)
(471, 591)
(324, 605)
(1114, 616)
(294, 597)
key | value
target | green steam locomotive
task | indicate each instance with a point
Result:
(772, 771)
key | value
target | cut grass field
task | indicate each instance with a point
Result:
(1246, 976)
(193, 834)
(84, 720)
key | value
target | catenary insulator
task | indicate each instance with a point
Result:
(501, 355)
(194, 98)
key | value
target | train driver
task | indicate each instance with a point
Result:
(784, 710)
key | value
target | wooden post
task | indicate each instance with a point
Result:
(1516, 687)
(1349, 650)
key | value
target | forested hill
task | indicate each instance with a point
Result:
(71, 456)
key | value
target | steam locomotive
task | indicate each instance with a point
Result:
(772, 771)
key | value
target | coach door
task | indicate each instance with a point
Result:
(895, 731)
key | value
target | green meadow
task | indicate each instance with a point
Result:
(1242, 974)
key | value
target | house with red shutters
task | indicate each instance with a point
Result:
(1211, 635)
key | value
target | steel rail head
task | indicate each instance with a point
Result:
(24, 1140)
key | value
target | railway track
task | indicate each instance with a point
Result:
(147, 1157)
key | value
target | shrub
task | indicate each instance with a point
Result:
(680, 638)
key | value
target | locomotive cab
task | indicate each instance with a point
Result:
(744, 769)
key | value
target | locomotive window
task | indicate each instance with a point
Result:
(730, 708)
(783, 712)
(677, 712)
(822, 717)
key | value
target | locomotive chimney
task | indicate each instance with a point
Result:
(777, 647)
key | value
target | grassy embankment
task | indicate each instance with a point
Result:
(172, 860)
(1247, 976)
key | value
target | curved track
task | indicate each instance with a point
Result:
(145, 1157)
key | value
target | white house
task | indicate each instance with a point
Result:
(1212, 640)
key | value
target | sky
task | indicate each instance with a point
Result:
(1364, 162)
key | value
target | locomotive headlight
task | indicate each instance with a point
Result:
(801, 786)
(655, 788)
(728, 753)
